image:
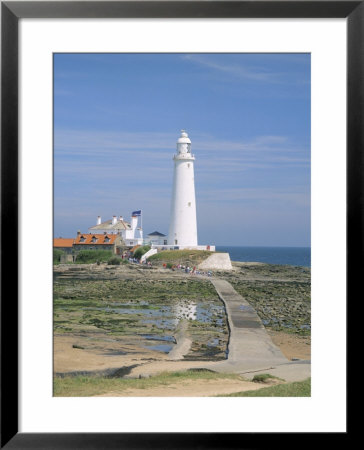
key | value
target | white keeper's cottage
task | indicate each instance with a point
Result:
(130, 232)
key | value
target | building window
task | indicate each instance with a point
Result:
(175, 242)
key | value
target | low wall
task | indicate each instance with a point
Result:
(67, 258)
(210, 248)
(150, 252)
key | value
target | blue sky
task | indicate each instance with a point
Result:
(117, 118)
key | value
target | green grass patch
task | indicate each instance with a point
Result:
(114, 261)
(263, 377)
(88, 386)
(93, 256)
(57, 255)
(295, 389)
(140, 251)
(180, 256)
(134, 290)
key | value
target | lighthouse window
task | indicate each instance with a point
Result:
(189, 203)
(188, 165)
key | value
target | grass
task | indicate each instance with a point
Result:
(263, 377)
(295, 389)
(132, 290)
(93, 256)
(57, 255)
(140, 251)
(180, 256)
(87, 386)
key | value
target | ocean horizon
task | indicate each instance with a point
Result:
(293, 256)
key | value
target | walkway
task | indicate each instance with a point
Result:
(251, 349)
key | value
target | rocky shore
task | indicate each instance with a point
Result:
(129, 315)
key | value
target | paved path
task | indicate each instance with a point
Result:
(183, 343)
(251, 349)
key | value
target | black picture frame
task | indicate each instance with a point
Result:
(11, 12)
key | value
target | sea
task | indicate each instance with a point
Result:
(293, 256)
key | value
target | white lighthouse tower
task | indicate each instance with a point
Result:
(183, 224)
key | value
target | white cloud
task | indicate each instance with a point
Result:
(239, 71)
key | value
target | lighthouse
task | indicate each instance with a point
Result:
(183, 224)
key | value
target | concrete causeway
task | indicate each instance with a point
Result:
(250, 348)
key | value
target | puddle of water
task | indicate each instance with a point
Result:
(169, 324)
(169, 316)
(155, 337)
(208, 313)
(146, 311)
(115, 353)
(213, 342)
(165, 348)
(188, 312)
(130, 304)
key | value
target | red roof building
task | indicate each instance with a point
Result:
(64, 244)
(104, 241)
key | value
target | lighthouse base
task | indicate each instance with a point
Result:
(210, 248)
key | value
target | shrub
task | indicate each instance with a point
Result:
(139, 252)
(57, 255)
(114, 261)
(262, 378)
(92, 256)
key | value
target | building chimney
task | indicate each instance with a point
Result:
(78, 232)
(134, 222)
(114, 220)
(98, 222)
(121, 218)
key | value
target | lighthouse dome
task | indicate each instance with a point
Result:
(184, 139)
